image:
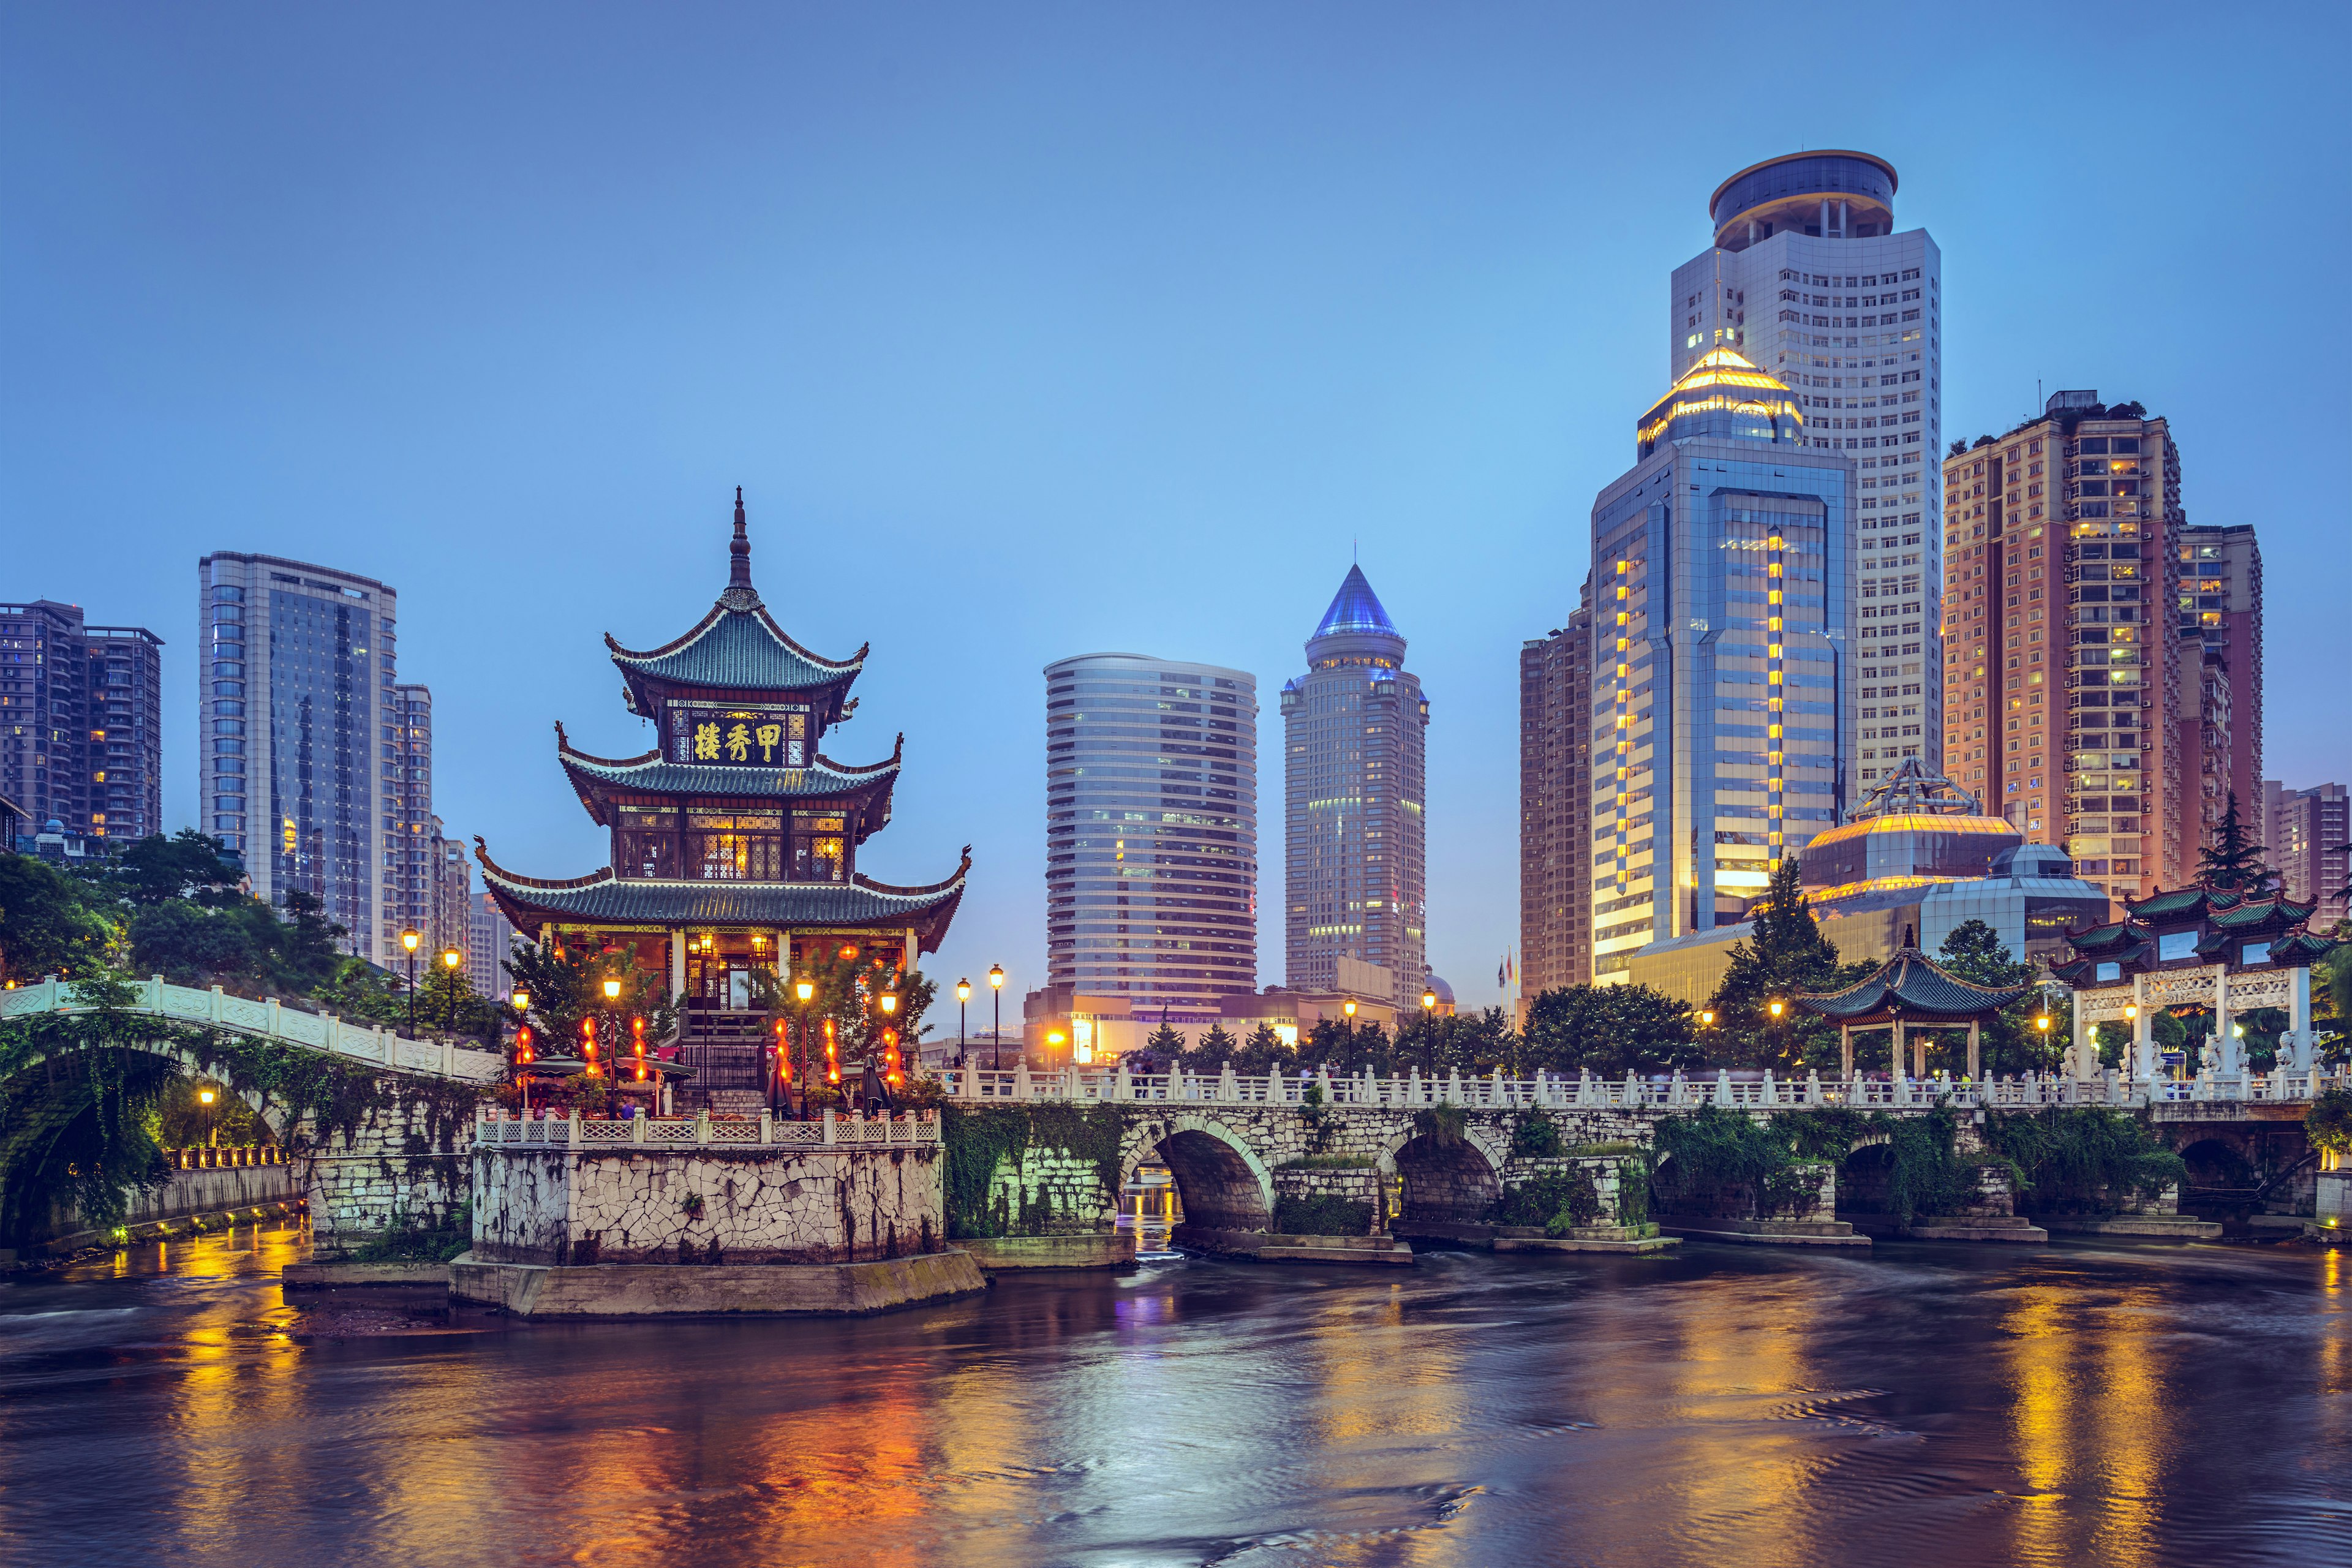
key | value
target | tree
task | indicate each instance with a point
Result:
(50, 923)
(2233, 861)
(190, 865)
(1608, 1030)
(2009, 1043)
(1785, 955)
(1215, 1049)
(1167, 1041)
(1264, 1053)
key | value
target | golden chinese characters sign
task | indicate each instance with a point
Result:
(746, 737)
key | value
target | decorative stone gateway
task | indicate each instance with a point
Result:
(706, 1205)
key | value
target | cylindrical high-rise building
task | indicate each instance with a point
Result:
(1355, 878)
(1151, 832)
(1810, 279)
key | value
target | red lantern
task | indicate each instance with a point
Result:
(522, 1044)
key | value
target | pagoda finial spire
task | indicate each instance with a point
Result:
(740, 594)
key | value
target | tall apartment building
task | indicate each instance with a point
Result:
(1151, 832)
(2221, 610)
(81, 722)
(2309, 836)
(2064, 689)
(1808, 280)
(452, 894)
(412, 862)
(1723, 712)
(490, 939)
(1555, 806)
(1355, 847)
(297, 715)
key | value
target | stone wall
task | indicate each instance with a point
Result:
(704, 1206)
(1046, 1191)
(407, 1164)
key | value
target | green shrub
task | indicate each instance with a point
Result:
(1328, 1163)
(1319, 1213)
(1444, 1125)
(1596, 1150)
(1558, 1198)
(1536, 1137)
(2088, 1157)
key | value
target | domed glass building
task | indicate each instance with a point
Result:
(1913, 829)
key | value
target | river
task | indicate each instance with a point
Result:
(2077, 1403)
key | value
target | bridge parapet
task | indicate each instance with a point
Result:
(1584, 1092)
(271, 1018)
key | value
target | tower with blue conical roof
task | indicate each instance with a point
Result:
(1355, 882)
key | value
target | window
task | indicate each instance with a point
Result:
(2175, 945)
(2254, 952)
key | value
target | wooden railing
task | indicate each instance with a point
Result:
(830, 1133)
(269, 1018)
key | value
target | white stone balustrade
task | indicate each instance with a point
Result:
(832, 1133)
(983, 1086)
(270, 1019)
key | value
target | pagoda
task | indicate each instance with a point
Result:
(735, 839)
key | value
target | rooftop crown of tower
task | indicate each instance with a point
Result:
(1355, 628)
(1833, 194)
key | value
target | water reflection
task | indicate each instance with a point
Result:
(1922, 1406)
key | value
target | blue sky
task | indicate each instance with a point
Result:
(1033, 332)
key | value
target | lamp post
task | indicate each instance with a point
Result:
(204, 1095)
(409, 939)
(963, 995)
(1349, 1008)
(1428, 1031)
(889, 1001)
(1779, 1010)
(804, 988)
(996, 984)
(450, 959)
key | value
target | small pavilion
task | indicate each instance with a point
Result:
(1911, 990)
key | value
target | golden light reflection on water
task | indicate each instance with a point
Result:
(2092, 1417)
(1741, 1360)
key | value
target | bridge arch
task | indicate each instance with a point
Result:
(1220, 1180)
(1449, 1183)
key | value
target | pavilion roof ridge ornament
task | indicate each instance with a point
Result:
(740, 594)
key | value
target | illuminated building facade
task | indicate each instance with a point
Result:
(735, 839)
(1917, 854)
(1151, 833)
(1809, 278)
(1721, 703)
(1556, 807)
(298, 716)
(2065, 687)
(81, 724)
(1355, 868)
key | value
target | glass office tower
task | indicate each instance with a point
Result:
(1721, 703)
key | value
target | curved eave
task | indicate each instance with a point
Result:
(674, 669)
(1916, 989)
(866, 786)
(601, 898)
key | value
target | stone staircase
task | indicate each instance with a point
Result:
(744, 1102)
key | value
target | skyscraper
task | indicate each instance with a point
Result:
(1151, 832)
(81, 722)
(490, 941)
(1808, 280)
(2065, 694)
(1355, 868)
(2221, 609)
(1555, 806)
(2309, 835)
(299, 718)
(1723, 712)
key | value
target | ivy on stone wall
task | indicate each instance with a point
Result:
(1534, 1136)
(2084, 1156)
(979, 1141)
(1556, 1200)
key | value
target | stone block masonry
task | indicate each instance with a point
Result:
(707, 1206)
(404, 1163)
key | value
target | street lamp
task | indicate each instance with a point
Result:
(205, 1097)
(1779, 1010)
(409, 939)
(1349, 1008)
(963, 995)
(1428, 1030)
(804, 988)
(996, 984)
(450, 959)
(1706, 1018)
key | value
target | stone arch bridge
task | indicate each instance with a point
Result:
(406, 1158)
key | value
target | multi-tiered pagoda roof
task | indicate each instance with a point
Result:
(734, 819)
